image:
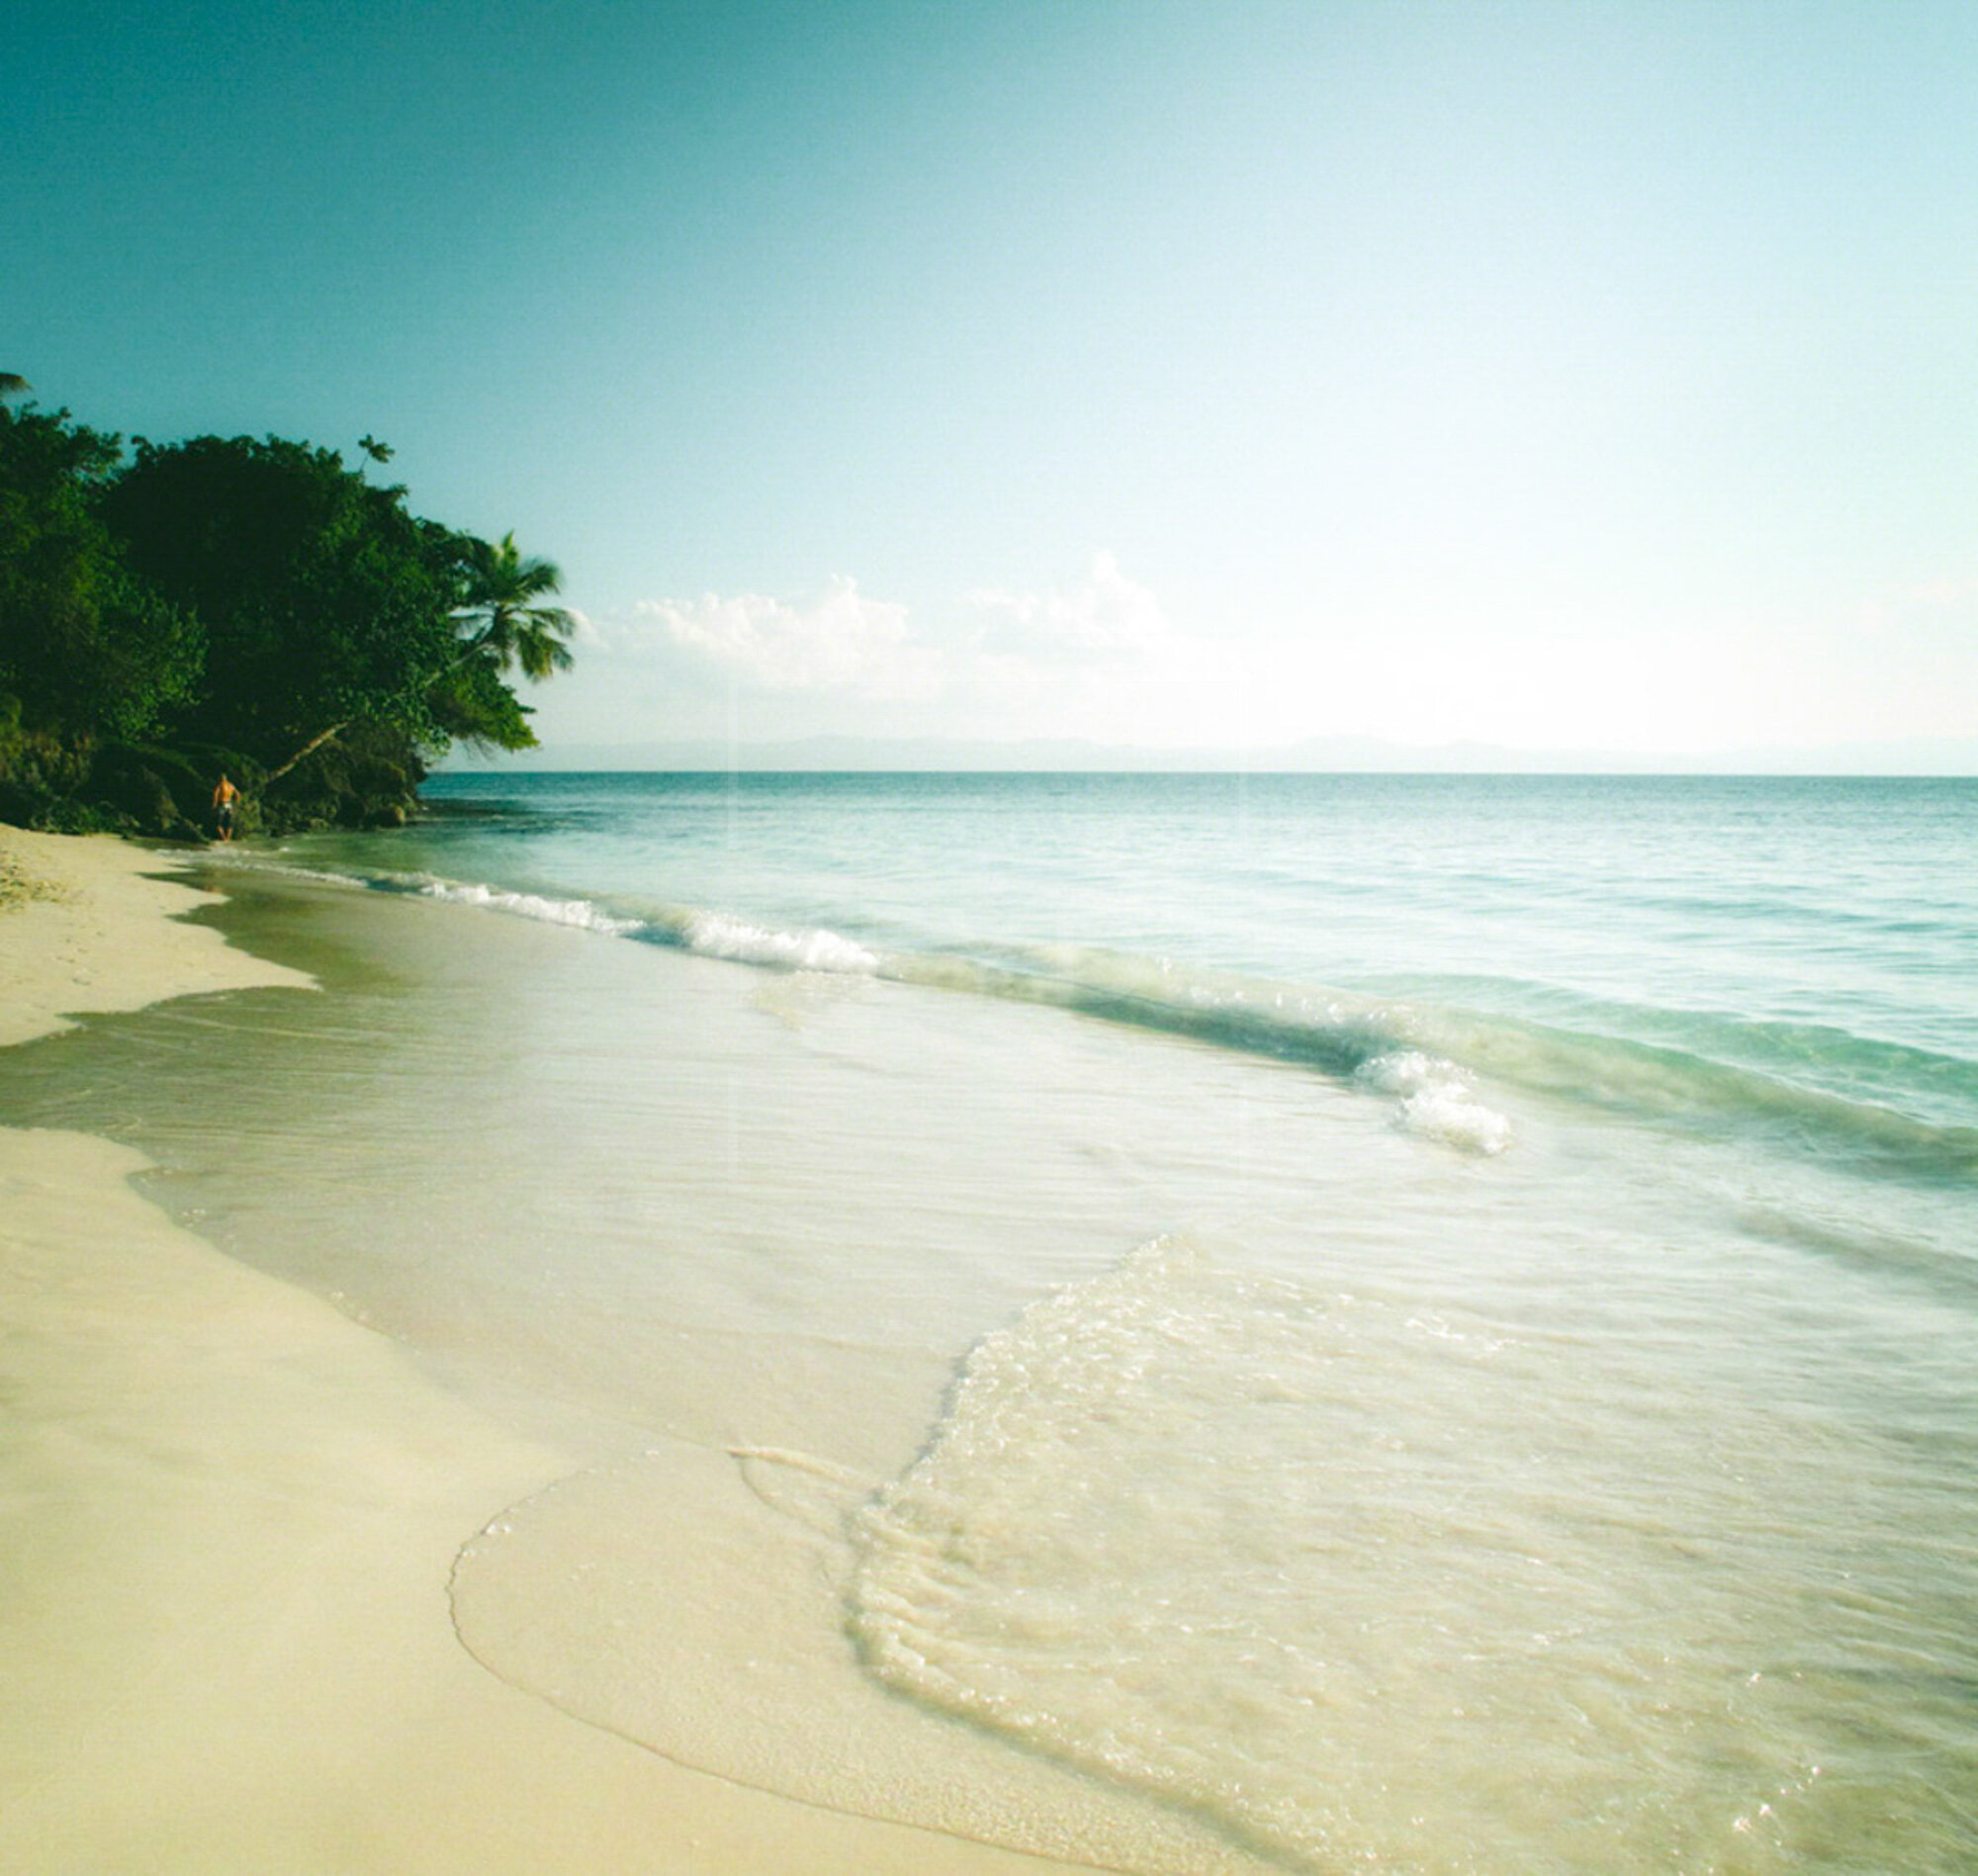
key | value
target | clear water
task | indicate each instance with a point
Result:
(1184, 1323)
(1820, 934)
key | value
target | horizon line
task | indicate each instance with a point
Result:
(1942, 757)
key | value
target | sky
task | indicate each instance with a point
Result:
(1247, 377)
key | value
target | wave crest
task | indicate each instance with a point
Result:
(715, 935)
(1429, 1062)
(581, 912)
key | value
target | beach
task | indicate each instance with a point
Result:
(1018, 937)
(232, 1515)
(1196, 1325)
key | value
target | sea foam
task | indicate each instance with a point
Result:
(1361, 1040)
(1438, 1101)
(581, 912)
(1321, 1568)
(714, 935)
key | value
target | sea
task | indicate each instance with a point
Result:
(1173, 1322)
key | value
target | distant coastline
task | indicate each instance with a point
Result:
(1943, 756)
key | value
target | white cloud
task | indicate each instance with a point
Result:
(587, 637)
(1098, 660)
(845, 644)
(1095, 660)
(1104, 614)
(1012, 655)
(1944, 592)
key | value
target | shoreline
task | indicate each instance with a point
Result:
(232, 1515)
(696, 1348)
(86, 927)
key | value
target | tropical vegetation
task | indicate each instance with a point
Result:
(248, 606)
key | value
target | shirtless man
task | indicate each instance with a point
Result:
(225, 800)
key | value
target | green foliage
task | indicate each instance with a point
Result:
(472, 705)
(38, 768)
(501, 613)
(85, 647)
(325, 601)
(246, 604)
(366, 776)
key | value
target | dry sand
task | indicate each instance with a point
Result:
(228, 1517)
(82, 927)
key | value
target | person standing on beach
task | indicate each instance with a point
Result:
(225, 802)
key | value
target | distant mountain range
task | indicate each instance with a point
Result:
(1329, 755)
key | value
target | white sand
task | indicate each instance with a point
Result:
(82, 929)
(228, 1516)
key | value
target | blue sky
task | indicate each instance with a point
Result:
(1597, 376)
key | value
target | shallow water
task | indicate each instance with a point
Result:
(1507, 1405)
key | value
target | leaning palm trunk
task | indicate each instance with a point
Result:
(307, 748)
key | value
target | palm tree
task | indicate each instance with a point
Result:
(501, 614)
(498, 617)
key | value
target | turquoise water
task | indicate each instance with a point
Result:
(1182, 1323)
(1797, 958)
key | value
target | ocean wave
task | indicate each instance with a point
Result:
(1307, 1563)
(707, 934)
(1685, 1086)
(230, 858)
(1438, 1100)
(714, 935)
(582, 913)
(1336, 1036)
(1433, 1062)
(1345, 1037)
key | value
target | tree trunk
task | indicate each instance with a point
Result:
(468, 649)
(307, 748)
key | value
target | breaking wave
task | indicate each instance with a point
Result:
(1433, 1062)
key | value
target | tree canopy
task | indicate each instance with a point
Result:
(84, 645)
(250, 603)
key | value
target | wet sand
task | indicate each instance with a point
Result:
(228, 1517)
